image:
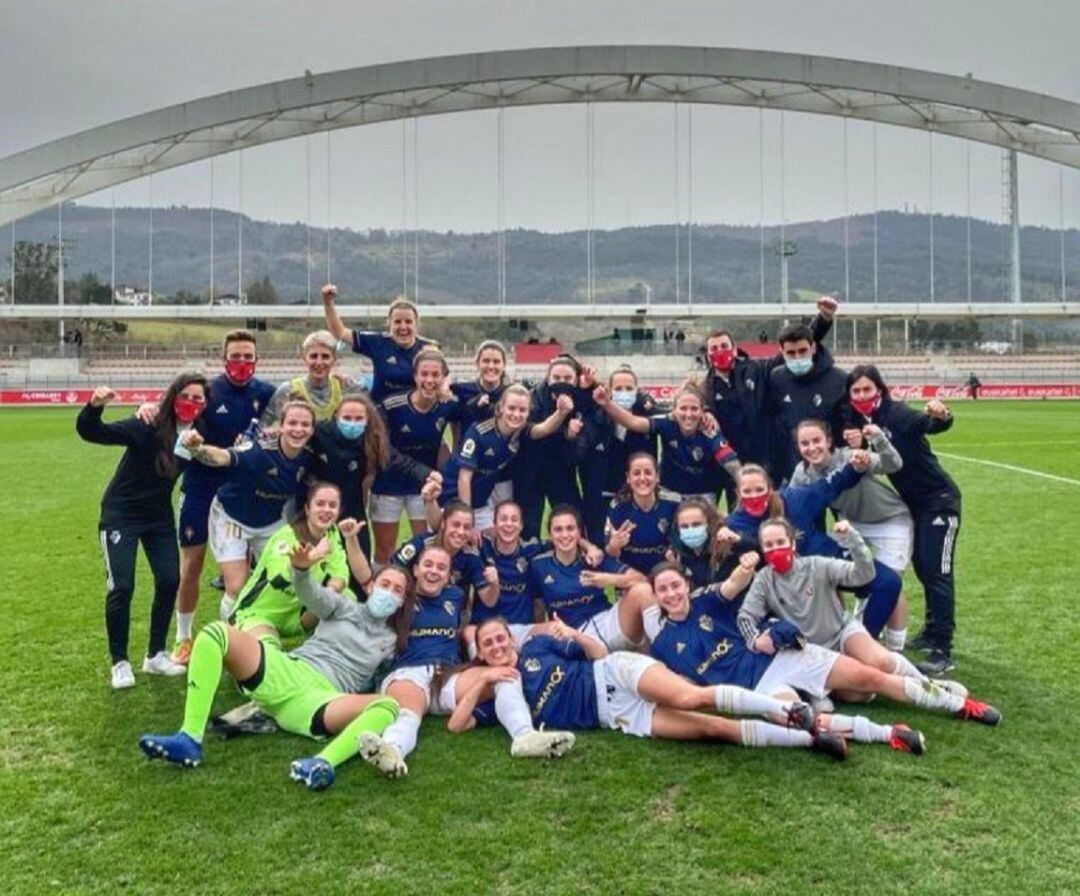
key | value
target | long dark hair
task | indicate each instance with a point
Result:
(402, 619)
(871, 372)
(165, 425)
(376, 440)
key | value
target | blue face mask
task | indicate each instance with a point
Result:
(624, 399)
(382, 603)
(799, 366)
(351, 429)
(694, 536)
(365, 381)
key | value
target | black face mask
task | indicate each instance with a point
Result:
(557, 389)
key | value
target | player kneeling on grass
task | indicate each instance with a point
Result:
(697, 636)
(572, 681)
(428, 631)
(315, 690)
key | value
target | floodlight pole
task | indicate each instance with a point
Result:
(1014, 236)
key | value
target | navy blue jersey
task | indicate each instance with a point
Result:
(804, 508)
(650, 539)
(484, 714)
(472, 409)
(559, 586)
(488, 453)
(559, 683)
(391, 364)
(433, 634)
(466, 568)
(706, 647)
(229, 412)
(516, 587)
(688, 463)
(262, 481)
(416, 434)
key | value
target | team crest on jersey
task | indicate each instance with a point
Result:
(705, 623)
(662, 525)
(817, 400)
(114, 536)
(468, 448)
(448, 605)
(749, 384)
(697, 454)
(300, 474)
(532, 664)
(283, 548)
(809, 590)
(549, 580)
(353, 465)
(440, 423)
(521, 564)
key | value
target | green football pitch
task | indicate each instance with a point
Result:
(984, 811)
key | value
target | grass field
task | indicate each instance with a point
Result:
(985, 811)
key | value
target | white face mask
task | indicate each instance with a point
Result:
(382, 603)
(624, 398)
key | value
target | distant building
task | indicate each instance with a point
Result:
(229, 298)
(131, 295)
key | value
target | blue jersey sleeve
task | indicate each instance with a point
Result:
(610, 564)
(365, 342)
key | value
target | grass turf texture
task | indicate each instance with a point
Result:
(984, 811)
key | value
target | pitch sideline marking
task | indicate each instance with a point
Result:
(994, 463)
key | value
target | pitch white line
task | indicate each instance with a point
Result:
(992, 463)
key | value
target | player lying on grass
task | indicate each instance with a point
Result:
(317, 690)
(572, 681)
(698, 637)
(428, 631)
(803, 591)
(268, 603)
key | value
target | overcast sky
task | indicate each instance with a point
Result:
(67, 66)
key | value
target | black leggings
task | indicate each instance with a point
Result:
(118, 547)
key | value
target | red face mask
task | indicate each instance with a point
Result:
(780, 559)
(866, 406)
(240, 371)
(186, 410)
(755, 506)
(722, 359)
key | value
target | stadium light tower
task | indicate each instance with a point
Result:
(785, 249)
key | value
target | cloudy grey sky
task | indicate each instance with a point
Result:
(67, 66)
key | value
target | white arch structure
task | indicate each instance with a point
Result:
(1035, 124)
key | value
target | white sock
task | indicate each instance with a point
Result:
(511, 709)
(226, 607)
(860, 728)
(183, 625)
(927, 695)
(753, 733)
(740, 701)
(905, 667)
(403, 732)
(895, 638)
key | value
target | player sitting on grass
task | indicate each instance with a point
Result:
(316, 690)
(572, 681)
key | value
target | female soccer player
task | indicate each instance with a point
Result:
(688, 457)
(317, 690)
(874, 509)
(247, 509)
(478, 396)
(695, 545)
(929, 492)
(639, 520)
(697, 636)
(322, 387)
(391, 352)
(137, 507)
(489, 450)
(416, 422)
(805, 506)
(569, 587)
(803, 591)
(427, 641)
(607, 446)
(268, 603)
(571, 680)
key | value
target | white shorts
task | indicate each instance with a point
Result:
(851, 627)
(446, 699)
(891, 541)
(421, 676)
(618, 703)
(605, 627)
(805, 670)
(387, 508)
(484, 517)
(230, 540)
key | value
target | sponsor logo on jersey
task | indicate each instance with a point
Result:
(705, 623)
(532, 664)
(720, 650)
